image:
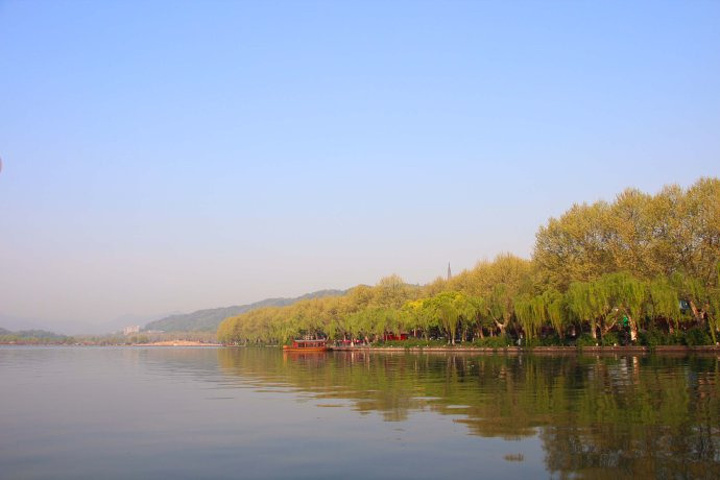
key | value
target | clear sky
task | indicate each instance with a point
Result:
(164, 156)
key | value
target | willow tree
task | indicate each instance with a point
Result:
(446, 310)
(692, 291)
(556, 310)
(548, 308)
(628, 295)
(530, 313)
(355, 323)
(373, 322)
(226, 330)
(391, 320)
(713, 315)
(407, 319)
(663, 303)
(702, 300)
(306, 315)
(280, 328)
(420, 315)
(714, 308)
(335, 312)
(504, 279)
(599, 302)
(478, 306)
(501, 306)
(466, 313)
(587, 303)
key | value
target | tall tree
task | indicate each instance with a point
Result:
(446, 309)
(573, 248)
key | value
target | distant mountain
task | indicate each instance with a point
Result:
(209, 319)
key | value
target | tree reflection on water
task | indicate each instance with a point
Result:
(598, 416)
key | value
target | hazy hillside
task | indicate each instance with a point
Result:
(209, 319)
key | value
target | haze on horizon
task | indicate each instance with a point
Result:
(171, 156)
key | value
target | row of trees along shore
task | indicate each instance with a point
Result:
(644, 269)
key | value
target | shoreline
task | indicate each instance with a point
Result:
(666, 349)
(177, 343)
(509, 350)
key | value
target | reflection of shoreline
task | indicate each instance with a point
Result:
(640, 413)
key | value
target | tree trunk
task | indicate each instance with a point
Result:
(606, 328)
(694, 309)
(633, 328)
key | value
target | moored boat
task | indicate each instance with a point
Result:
(307, 346)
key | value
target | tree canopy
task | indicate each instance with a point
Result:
(639, 264)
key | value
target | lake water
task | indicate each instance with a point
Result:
(82, 413)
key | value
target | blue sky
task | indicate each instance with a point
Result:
(169, 156)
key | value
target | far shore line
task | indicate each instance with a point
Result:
(165, 343)
(178, 343)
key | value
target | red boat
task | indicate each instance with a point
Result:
(306, 346)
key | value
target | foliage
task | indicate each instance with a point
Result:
(493, 342)
(644, 266)
(610, 339)
(586, 340)
(648, 236)
(696, 337)
(412, 343)
(550, 341)
(654, 337)
(34, 337)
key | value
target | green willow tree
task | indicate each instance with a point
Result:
(663, 303)
(445, 308)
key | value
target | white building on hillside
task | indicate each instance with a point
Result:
(131, 329)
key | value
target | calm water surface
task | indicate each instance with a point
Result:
(254, 413)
